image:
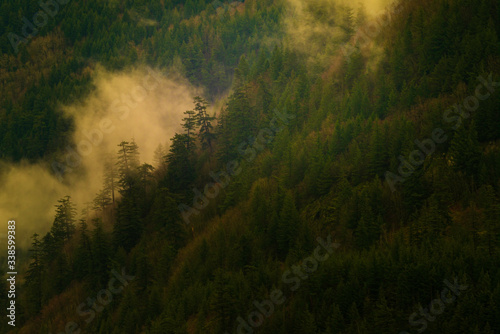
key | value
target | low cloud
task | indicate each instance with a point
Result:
(144, 104)
(316, 28)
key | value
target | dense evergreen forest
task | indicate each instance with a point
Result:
(354, 190)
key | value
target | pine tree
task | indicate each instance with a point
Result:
(264, 97)
(241, 120)
(335, 322)
(83, 254)
(166, 216)
(100, 253)
(384, 316)
(276, 62)
(222, 300)
(377, 152)
(288, 225)
(348, 21)
(180, 171)
(307, 322)
(204, 121)
(128, 226)
(225, 145)
(102, 200)
(123, 158)
(491, 229)
(159, 156)
(64, 221)
(259, 208)
(86, 211)
(50, 248)
(110, 178)
(241, 71)
(34, 276)
(145, 175)
(128, 161)
(189, 127)
(464, 153)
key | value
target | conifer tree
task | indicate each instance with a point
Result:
(128, 227)
(102, 200)
(159, 156)
(288, 225)
(64, 221)
(110, 178)
(377, 152)
(464, 151)
(166, 216)
(127, 162)
(83, 254)
(34, 276)
(180, 171)
(145, 175)
(100, 253)
(222, 300)
(491, 228)
(189, 127)
(335, 322)
(204, 121)
(348, 21)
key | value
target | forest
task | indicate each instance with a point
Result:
(338, 173)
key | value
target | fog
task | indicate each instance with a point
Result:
(144, 104)
(313, 27)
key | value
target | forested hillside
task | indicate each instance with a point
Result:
(350, 182)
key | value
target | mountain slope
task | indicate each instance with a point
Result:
(389, 150)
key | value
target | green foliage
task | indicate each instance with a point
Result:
(314, 174)
(204, 121)
(100, 250)
(189, 128)
(34, 276)
(128, 227)
(64, 221)
(464, 153)
(288, 225)
(180, 171)
(128, 163)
